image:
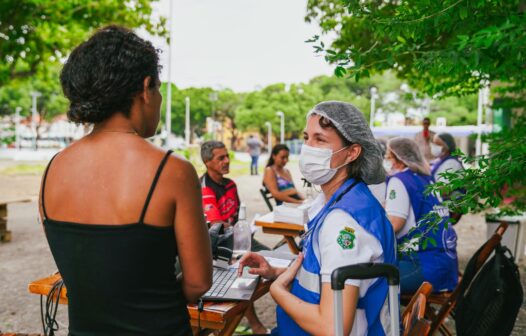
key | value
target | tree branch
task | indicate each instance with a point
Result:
(422, 18)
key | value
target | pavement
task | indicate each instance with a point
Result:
(27, 256)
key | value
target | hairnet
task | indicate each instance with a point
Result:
(382, 142)
(407, 151)
(448, 140)
(349, 121)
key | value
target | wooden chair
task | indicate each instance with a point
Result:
(413, 318)
(445, 302)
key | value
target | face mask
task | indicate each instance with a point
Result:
(388, 165)
(315, 164)
(436, 150)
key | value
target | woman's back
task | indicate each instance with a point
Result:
(119, 270)
(117, 210)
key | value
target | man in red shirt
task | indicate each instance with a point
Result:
(220, 198)
(221, 203)
(423, 140)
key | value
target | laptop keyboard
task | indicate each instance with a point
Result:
(223, 280)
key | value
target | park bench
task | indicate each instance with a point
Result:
(5, 234)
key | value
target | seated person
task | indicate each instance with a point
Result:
(347, 226)
(407, 205)
(221, 202)
(277, 179)
(442, 147)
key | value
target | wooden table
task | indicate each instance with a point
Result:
(5, 234)
(223, 316)
(288, 230)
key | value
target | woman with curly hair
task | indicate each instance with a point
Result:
(117, 211)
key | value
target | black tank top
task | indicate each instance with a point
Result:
(120, 279)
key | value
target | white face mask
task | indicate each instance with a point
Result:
(388, 165)
(315, 164)
(436, 150)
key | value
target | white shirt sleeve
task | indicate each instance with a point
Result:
(397, 201)
(448, 165)
(378, 191)
(342, 241)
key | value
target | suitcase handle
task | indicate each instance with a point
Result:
(364, 271)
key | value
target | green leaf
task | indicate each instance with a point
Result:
(401, 39)
(463, 13)
(340, 71)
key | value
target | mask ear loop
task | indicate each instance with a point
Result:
(339, 150)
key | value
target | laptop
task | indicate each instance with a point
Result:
(227, 286)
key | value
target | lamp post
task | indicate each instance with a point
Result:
(213, 98)
(168, 120)
(34, 112)
(187, 121)
(269, 135)
(17, 129)
(483, 100)
(282, 128)
(374, 95)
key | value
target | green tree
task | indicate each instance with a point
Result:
(439, 47)
(17, 94)
(225, 109)
(261, 106)
(442, 48)
(35, 34)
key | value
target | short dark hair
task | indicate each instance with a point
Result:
(275, 150)
(427, 119)
(103, 74)
(354, 169)
(207, 149)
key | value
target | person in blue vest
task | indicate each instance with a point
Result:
(347, 226)
(443, 148)
(410, 211)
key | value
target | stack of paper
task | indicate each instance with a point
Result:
(291, 213)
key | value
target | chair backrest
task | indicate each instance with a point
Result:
(267, 196)
(485, 251)
(413, 316)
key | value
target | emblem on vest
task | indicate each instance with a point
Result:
(346, 238)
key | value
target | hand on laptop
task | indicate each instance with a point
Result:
(258, 265)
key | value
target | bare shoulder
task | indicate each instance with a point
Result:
(180, 168)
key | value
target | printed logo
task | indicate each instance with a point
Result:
(392, 194)
(346, 238)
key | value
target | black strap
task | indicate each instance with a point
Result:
(44, 185)
(152, 187)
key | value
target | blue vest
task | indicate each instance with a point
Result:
(361, 205)
(439, 263)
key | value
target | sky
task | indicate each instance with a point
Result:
(239, 44)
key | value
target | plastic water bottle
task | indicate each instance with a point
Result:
(242, 233)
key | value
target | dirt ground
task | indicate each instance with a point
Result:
(27, 256)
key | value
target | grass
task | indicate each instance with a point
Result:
(237, 168)
(24, 169)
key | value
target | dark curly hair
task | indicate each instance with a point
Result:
(103, 74)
